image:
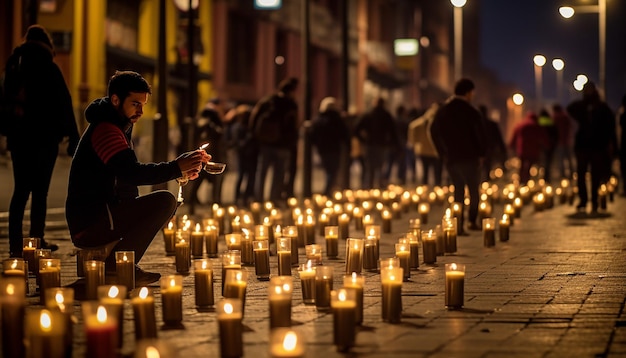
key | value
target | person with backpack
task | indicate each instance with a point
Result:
(274, 123)
(38, 114)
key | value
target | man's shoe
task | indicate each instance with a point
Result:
(49, 246)
(144, 278)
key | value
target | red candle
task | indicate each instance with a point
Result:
(100, 330)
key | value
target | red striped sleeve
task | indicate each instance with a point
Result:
(108, 140)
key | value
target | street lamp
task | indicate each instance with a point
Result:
(569, 11)
(458, 37)
(558, 64)
(539, 61)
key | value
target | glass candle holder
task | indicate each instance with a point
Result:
(233, 241)
(172, 299)
(100, 323)
(284, 252)
(356, 283)
(292, 232)
(30, 244)
(168, 238)
(231, 260)
(489, 233)
(45, 330)
(343, 304)
(314, 253)
(386, 217)
(343, 226)
(503, 226)
(370, 252)
(210, 238)
(236, 285)
(391, 284)
(16, 267)
(279, 296)
(144, 316)
(424, 211)
(49, 275)
(429, 246)
(94, 277)
(331, 239)
(261, 259)
(403, 254)
(114, 296)
(455, 285)
(125, 268)
(286, 343)
(323, 286)
(449, 229)
(354, 255)
(414, 249)
(203, 283)
(183, 255)
(229, 317)
(12, 306)
(306, 272)
(197, 241)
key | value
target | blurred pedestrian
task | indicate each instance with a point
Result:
(377, 134)
(330, 136)
(247, 154)
(459, 136)
(528, 142)
(398, 156)
(496, 149)
(103, 207)
(595, 143)
(38, 115)
(274, 122)
(210, 129)
(547, 123)
(419, 137)
(563, 151)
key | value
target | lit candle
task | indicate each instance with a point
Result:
(331, 238)
(286, 343)
(125, 268)
(229, 316)
(449, 226)
(504, 228)
(314, 253)
(396, 210)
(284, 256)
(414, 259)
(236, 285)
(517, 207)
(343, 304)
(510, 211)
(247, 249)
(203, 283)
(343, 226)
(262, 259)
(94, 277)
(429, 246)
(354, 255)
(197, 241)
(424, 210)
(386, 217)
(40, 254)
(293, 232)
(309, 230)
(374, 231)
(153, 348)
(307, 282)
(172, 299)
(28, 252)
(100, 329)
(455, 282)
(210, 235)
(16, 267)
(539, 201)
(357, 215)
(489, 234)
(168, 238)
(49, 275)
(279, 296)
(300, 234)
(12, 305)
(370, 260)
(414, 227)
(403, 254)
(323, 286)
(183, 255)
(231, 260)
(391, 282)
(113, 296)
(367, 220)
(44, 333)
(233, 241)
(143, 313)
(322, 222)
(356, 283)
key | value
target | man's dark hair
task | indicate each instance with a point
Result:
(122, 83)
(288, 85)
(463, 87)
(38, 33)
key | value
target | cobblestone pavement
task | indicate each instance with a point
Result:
(556, 289)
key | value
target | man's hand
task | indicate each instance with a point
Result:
(190, 163)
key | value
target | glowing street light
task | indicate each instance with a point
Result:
(518, 99)
(558, 64)
(539, 61)
(458, 37)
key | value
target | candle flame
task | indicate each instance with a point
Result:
(14, 264)
(286, 287)
(45, 321)
(453, 266)
(205, 264)
(172, 282)
(309, 264)
(290, 341)
(198, 227)
(10, 289)
(204, 146)
(228, 308)
(30, 244)
(143, 293)
(58, 298)
(170, 226)
(278, 290)
(125, 258)
(101, 314)
(239, 276)
(152, 352)
(113, 292)
(342, 295)
(354, 277)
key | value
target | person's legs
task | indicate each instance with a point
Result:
(456, 176)
(22, 185)
(471, 173)
(281, 161)
(582, 162)
(261, 173)
(44, 163)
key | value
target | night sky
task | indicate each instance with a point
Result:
(513, 31)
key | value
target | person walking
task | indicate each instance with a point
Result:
(595, 143)
(377, 134)
(330, 136)
(459, 136)
(496, 149)
(274, 123)
(399, 156)
(563, 151)
(528, 142)
(103, 206)
(38, 115)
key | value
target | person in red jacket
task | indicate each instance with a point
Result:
(529, 140)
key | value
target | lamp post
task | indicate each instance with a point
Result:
(539, 61)
(569, 11)
(558, 64)
(458, 37)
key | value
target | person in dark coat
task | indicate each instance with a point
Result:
(459, 136)
(103, 207)
(496, 149)
(330, 136)
(528, 142)
(595, 143)
(39, 116)
(377, 133)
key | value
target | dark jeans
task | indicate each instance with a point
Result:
(435, 164)
(466, 173)
(135, 223)
(278, 158)
(374, 159)
(247, 164)
(596, 162)
(32, 172)
(330, 162)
